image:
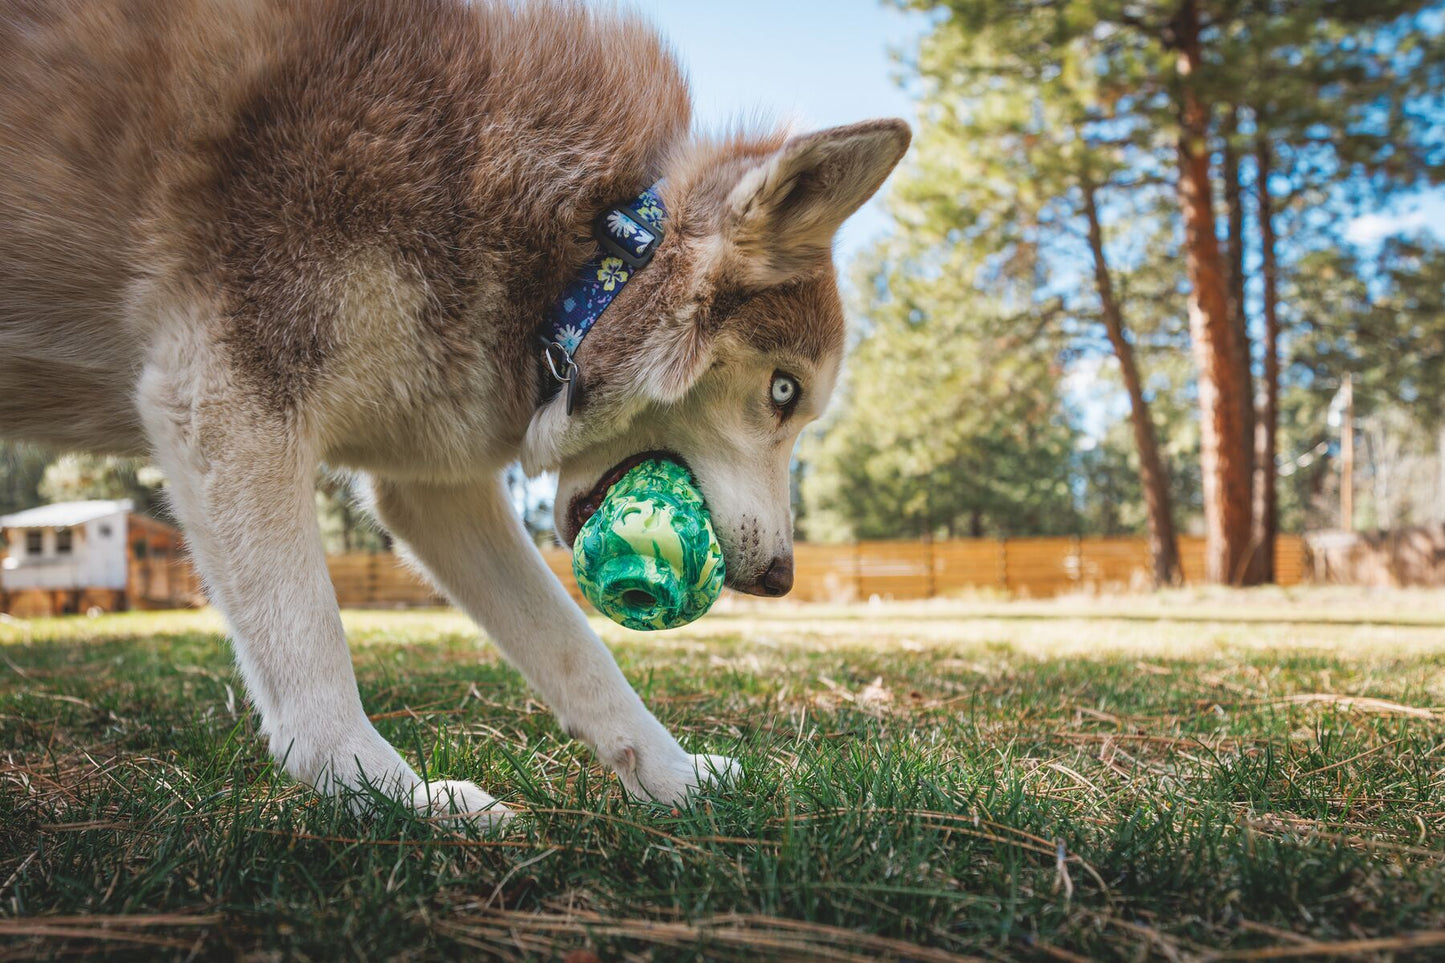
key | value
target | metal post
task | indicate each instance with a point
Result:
(1347, 458)
(1439, 510)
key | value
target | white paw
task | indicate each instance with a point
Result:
(716, 770)
(679, 777)
(458, 801)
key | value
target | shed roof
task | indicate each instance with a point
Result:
(65, 514)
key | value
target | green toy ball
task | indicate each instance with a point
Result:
(648, 558)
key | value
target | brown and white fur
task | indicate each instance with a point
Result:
(249, 237)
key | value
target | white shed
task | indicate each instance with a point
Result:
(74, 556)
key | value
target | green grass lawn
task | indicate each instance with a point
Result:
(1193, 776)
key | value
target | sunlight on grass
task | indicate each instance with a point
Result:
(1118, 777)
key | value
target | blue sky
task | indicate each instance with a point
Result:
(819, 62)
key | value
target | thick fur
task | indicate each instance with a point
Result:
(246, 237)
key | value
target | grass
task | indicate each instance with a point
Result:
(1193, 776)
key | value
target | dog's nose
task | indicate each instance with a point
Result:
(778, 579)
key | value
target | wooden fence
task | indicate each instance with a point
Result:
(383, 580)
(155, 582)
(1405, 556)
(163, 582)
(1022, 567)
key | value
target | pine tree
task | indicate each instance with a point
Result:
(1174, 91)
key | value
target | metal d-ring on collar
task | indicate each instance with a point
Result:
(628, 236)
(563, 369)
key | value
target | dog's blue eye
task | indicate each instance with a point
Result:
(785, 390)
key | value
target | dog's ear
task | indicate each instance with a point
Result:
(766, 215)
(782, 215)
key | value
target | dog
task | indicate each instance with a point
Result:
(248, 238)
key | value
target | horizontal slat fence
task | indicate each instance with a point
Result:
(163, 582)
(383, 580)
(1024, 567)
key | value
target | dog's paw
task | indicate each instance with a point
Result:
(461, 802)
(716, 770)
(681, 777)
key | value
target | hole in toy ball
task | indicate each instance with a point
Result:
(636, 598)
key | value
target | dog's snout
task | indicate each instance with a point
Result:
(778, 579)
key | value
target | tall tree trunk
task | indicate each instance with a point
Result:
(1238, 315)
(1266, 494)
(1225, 449)
(1163, 543)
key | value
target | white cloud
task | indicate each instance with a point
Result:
(1094, 394)
(1371, 228)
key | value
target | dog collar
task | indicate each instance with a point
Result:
(627, 237)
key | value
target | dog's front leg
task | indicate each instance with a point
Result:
(242, 481)
(471, 542)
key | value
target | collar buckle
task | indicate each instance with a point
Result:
(625, 234)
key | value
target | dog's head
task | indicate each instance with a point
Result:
(727, 344)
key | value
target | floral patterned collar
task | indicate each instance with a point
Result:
(627, 237)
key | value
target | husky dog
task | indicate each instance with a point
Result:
(249, 237)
